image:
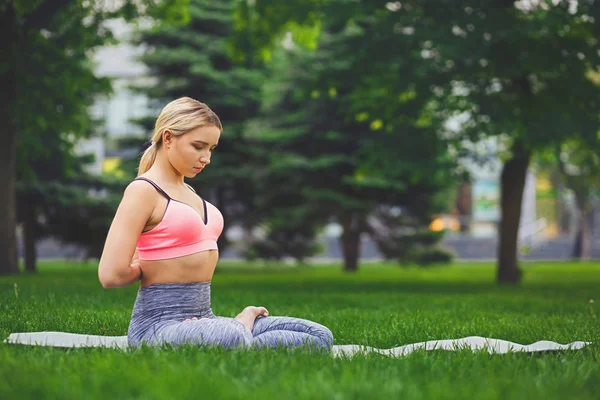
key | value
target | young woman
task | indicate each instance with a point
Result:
(165, 235)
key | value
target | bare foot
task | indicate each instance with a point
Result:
(249, 314)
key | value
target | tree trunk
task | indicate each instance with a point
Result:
(8, 136)
(29, 238)
(582, 249)
(464, 207)
(350, 241)
(513, 177)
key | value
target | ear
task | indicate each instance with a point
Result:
(167, 137)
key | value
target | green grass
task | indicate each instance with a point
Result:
(381, 305)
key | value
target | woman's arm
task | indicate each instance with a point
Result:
(116, 268)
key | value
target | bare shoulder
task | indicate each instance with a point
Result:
(139, 188)
(139, 195)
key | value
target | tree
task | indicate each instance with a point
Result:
(517, 73)
(58, 31)
(53, 66)
(75, 210)
(579, 170)
(193, 60)
(30, 33)
(517, 70)
(520, 73)
(322, 160)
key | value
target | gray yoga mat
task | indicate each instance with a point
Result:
(492, 346)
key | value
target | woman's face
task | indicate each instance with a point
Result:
(190, 153)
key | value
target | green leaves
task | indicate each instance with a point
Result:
(56, 85)
(162, 11)
(328, 135)
(259, 24)
(49, 84)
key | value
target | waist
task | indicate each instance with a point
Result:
(198, 267)
(151, 252)
(173, 298)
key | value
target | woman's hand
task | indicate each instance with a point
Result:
(135, 260)
(135, 265)
(137, 271)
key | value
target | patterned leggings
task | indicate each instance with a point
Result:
(160, 310)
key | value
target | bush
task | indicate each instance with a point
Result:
(436, 255)
(280, 244)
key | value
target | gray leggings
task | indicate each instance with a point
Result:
(160, 310)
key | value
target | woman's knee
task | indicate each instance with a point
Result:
(321, 332)
(322, 335)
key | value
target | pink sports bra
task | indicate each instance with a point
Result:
(182, 231)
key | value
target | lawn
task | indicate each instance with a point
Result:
(381, 305)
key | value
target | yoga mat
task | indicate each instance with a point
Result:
(492, 346)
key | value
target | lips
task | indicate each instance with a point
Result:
(198, 169)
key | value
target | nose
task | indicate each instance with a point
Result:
(205, 159)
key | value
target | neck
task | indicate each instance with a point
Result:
(165, 170)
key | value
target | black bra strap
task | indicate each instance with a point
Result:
(141, 178)
(205, 211)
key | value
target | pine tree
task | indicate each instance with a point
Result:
(47, 85)
(322, 168)
(193, 60)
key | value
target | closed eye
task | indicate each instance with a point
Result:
(202, 147)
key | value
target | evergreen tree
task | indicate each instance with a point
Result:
(54, 68)
(47, 84)
(322, 160)
(193, 60)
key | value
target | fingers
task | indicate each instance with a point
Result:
(190, 319)
(135, 260)
(135, 265)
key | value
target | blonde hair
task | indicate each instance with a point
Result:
(179, 116)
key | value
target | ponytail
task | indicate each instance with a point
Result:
(147, 159)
